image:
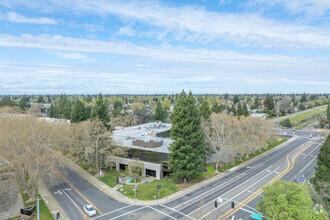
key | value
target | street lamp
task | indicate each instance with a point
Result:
(38, 205)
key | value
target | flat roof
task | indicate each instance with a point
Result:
(146, 132)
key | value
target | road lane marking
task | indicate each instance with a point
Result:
(162, 212)
(251, 197)
(81, 212)
(177, 211)
(219, 186)
(113, 211)
(126, 213)
(74, 188)
(307, 165)
(232, 197)
(312, 150)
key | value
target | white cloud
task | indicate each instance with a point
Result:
(197, 24)
(310, 7)
(74, 56)
(126, 31)
(17, 18)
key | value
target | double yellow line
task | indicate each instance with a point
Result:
(254, 195)
(58, 172)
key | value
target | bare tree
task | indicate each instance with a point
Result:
(237, 137)
(30, 145)
(90, 139)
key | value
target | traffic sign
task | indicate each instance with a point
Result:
(256, 216)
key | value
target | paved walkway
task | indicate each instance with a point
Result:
(113, 193)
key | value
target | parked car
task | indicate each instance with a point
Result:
(89, 210)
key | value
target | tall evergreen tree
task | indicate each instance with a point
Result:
(24, 103)
(64, 107)
(256, 103)
(78, 112)
(205, 109)
(159, 112)
(245, 110)
(235, 99)
(53, 110)
(328, 112)
(188, 149)
(303, 98)
(233, 110)
(101, 110)
(239, 110)
(226, 96)
(269, 103)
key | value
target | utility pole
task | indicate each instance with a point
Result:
(38, 206)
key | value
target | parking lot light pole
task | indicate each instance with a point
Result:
(38, 206)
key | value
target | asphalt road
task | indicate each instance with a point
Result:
(297, 159)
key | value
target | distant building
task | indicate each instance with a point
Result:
(259, 115)
(150, 139)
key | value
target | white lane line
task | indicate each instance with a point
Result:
(162, 213)
(112, 211)
(307, 165)
(126, 213)
(219, 186)
(312, 151)
(176, 211)
(232, 197)
(70, 198)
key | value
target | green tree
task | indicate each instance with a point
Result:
(245, 110)
(159, 113)
(216, 108)
(256, 103)
(78, 112)
(64, 107)
(269, 103)
(288, 200)
(226, 96)
(53, 110)
(328, 112)
(7, 101)
(286, 123)
(188, 149)
(303, 98)
(235, 99)
(233, 110)
(24, 103)
(239, 110)
(101, 110)
(40, 99)
(205, 109)
(301, 107)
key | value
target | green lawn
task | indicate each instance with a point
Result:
(148, 191)
(44, 211)
(305, 115)
(110, 178)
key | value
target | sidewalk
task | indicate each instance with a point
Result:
(118, 196)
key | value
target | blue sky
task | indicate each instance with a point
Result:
(78, 46)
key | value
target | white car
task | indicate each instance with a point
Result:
(89, 210)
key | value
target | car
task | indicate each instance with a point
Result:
(89, 210)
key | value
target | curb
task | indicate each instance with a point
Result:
(118, 196)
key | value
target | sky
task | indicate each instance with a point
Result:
(149, 47)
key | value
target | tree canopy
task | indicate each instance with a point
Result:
(288, 200)
(187, 151)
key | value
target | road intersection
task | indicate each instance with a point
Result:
(244, 185)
